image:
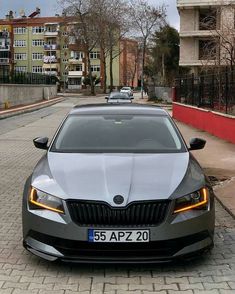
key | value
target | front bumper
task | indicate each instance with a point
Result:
(53, 248)
(55, 236)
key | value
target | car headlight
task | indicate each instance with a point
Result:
(41, 200)
(195, 200)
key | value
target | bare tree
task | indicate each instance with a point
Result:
(83, 28)
(145, 19)
(218, 49)
(117, 27)
(217, 52)
(110, 18)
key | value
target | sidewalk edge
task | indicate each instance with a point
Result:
(29, 108)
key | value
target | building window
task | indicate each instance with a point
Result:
(94, 55)
(207, 49)
(38, 43)
(95, 68)
(52, 29)
(20, 30)
(37, 30)
(65, 33)
(37, 69)
(77, 55)
(20, 43)
(20, 68)
(5, 54)
(209, 19)
(65, 60)
(20, 56)
(65, 46)
(37, 56)
(79, 67)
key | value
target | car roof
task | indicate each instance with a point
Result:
(131, 108)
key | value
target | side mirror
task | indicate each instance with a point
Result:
(41, 142)
(132, 97)
(197, 143)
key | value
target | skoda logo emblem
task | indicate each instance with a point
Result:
(118, 199)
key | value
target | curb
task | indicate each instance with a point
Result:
(29, 108)
(223, 195)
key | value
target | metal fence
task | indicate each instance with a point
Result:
(214, 91)
(26, 78)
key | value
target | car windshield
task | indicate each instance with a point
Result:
(119, 96)
(126, 88)
(118, 134)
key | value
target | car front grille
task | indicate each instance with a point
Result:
(89, 213)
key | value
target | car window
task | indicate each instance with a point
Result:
(119, 96)
(118, 133)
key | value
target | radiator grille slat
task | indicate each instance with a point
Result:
(89, 213)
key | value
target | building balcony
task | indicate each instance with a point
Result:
(51, 34)
(4, 35)
(74, 73)
(51, 47)
(51, 66)
(5, 48)
(4, 61)
(198, 33)
(76, 61)
(197, 62)
(50, 72)
(50, 59)
(181, 4)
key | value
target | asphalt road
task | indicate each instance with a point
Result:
(21, 272)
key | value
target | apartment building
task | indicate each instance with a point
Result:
(5, 48)
(206, 28)
(44, 45)
(129, 62)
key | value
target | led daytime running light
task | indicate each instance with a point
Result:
(33, 201)
(201, 203)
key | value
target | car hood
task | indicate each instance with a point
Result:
(102, 176)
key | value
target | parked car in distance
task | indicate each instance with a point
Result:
(127, 90)
(117, 97)
(117, 184)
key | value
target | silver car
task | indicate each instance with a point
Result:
(117, 184)
(127, 90)
(117, 97)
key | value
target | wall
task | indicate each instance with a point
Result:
(188, 20)
(25, 94)
(217, 124)
(164, 93)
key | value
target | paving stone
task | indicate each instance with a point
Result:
(222, 285)
(191, 286)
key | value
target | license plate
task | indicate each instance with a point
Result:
(118, 236)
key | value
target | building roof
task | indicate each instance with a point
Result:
(28, 21)
(200, 3)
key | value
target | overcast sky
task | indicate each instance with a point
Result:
(50, 7)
